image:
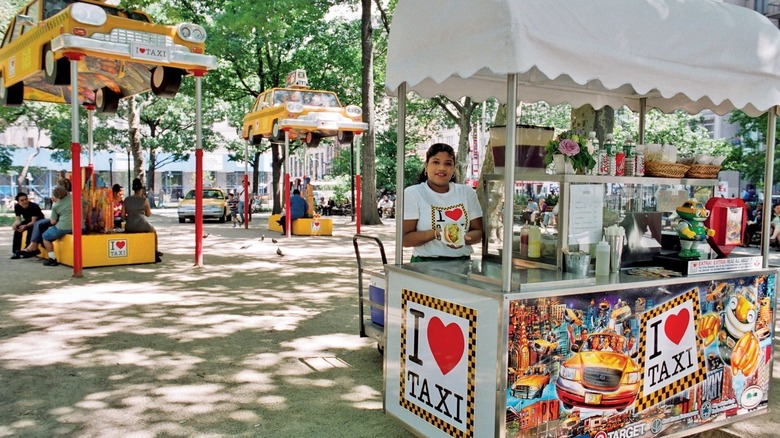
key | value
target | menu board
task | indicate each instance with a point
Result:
(586, 213)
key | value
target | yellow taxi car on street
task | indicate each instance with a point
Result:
(308, 115)
(214, 205)
(124, 53)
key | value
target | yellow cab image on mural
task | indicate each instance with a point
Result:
(308, 115)
(121, 53)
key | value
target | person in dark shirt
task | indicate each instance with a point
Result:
(298, 209)
(26, 212)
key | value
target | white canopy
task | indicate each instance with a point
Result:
(679, 54)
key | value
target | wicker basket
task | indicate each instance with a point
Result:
(704, 171)
(665, 170)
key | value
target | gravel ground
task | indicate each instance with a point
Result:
(251, 344)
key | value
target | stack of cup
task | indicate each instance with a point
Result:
(616, 237)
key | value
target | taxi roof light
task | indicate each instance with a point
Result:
(87, 13)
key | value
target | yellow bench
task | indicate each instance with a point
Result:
(114, 249)
(304, 226)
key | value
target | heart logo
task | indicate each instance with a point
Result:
(676, 325)
(454, 214)
(120, 244)
(316, 224)
(446, 344)
(142, 50)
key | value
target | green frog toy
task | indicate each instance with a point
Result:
(691, 229)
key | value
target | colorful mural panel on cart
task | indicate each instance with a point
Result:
(640, 362)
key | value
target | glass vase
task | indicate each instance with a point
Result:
(562, 165)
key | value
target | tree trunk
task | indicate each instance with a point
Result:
(276, 169)
(256, 173)
(587, 119)
(134, 119)
(369, 214)
(464, 123)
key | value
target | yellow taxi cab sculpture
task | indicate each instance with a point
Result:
(214, 205)
(308, 115)
(124, 54)
(600, 375)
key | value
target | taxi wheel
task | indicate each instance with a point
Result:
(254, 139)
(277, 135)
(312, 140)
(182, 220)
(55, 72)
(11, 96)
(345, 137)
(106, 100)
(166, 81)
(222, 218)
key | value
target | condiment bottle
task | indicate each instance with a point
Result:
(602, 258)
(534, 242)
(524, 241)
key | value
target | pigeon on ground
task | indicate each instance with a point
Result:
(279, 252)
(245, 246)
(262, 238)
(205, 235)
(274, 241)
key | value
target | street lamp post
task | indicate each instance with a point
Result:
(111, 171)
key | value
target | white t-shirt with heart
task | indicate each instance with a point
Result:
(431, 209)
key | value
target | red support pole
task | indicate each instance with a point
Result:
(246, 201)
(75, 151)
(358, 216)
(287, 220)
(198, 207)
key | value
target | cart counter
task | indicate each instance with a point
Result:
(620, 356)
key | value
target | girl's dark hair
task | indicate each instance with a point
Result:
(116, 188)
(433, 150)
(137, 185)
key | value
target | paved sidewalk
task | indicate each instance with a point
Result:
(251, 344)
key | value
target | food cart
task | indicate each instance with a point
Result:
(500, 348)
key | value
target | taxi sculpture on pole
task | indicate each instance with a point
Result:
(123, 53)
(295, 112)
(93, 53)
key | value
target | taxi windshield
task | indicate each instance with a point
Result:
(53, 7)
(309, 98)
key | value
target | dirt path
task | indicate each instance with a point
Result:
(252, 344)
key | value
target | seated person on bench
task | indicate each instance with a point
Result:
(61, 220)
(27, 213)
(298, 209)
(135, 210)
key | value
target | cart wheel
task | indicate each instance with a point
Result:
(380, 348)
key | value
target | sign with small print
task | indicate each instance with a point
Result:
(117, 248)
(724, 265)
(150, 52)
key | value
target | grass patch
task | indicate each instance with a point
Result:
(6, 221)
